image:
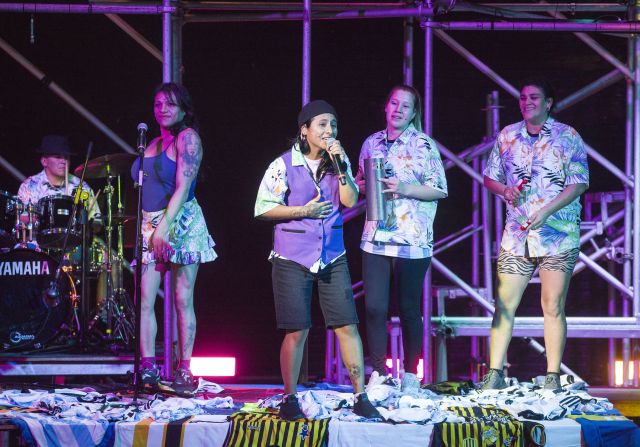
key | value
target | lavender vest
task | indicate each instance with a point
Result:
(306, 240)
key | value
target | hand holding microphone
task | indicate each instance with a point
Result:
(334, 148)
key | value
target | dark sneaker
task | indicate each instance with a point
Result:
(493, 380)
(150, 376)
(363, 407)
(290, 408)
(183, 381)
(552, 381)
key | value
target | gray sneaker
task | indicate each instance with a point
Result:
(552, 382)
(493, 380)
(410, 383)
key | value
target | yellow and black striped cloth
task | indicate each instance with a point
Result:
(487, 427)
(268, 430)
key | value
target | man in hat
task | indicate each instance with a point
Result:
(54, 178)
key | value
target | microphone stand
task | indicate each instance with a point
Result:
(137, 373)
(53, 294)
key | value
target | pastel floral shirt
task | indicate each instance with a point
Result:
(37, 186)
(408, 230)
(549, 162)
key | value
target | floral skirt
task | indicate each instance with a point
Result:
(188, 235)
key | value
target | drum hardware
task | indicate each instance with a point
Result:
(52, 298)
(116, 310)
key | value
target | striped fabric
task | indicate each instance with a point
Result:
(486, 426)
(266, 430)
(189, 431)
(41, 430)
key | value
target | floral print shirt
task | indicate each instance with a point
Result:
(412, 158)
(549, 162)
(37, 186)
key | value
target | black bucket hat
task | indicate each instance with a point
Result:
(55, 145)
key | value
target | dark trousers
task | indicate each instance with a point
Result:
(408, 275)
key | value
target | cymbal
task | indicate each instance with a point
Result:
(101, 167)
(122, 218)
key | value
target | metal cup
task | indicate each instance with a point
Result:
(374, 171)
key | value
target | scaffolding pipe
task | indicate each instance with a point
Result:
(561, 6)
(605, 163)
(604, 274)
(428, 81)
(463, 285)
(600, 252)
(477, 63)
(135, 35)
(427, 347)
(12, 169)
(599, 84)
(595, 46)
(595, 27)
(459, 163)
(407, 61)
(167, 72)
(636, 175)
(419, 11)
(306, 53)
(628, 204)
(55, 88)
(49, 8)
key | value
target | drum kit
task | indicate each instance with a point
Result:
(37, 239)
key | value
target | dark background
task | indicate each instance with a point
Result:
(245, 79)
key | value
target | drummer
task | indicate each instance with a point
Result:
(55, 179)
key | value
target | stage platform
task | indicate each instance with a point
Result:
(222, 415)
(57, 364)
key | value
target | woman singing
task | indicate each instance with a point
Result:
(175, 235)
(302, 193)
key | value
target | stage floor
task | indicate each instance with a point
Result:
(520, 415)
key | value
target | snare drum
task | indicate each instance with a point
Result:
(25, 276)
(7, 220)
(55, 212)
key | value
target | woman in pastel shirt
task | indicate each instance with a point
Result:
(539, 166)
(301, 192)
(401, 246)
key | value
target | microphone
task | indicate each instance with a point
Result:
(337, 163)
(142, 136)
(51, 298)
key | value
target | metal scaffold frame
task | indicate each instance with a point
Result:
(485, 228)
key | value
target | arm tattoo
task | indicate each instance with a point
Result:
(191, 154)
(299, 212)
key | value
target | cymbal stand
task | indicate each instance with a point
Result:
(117, 309)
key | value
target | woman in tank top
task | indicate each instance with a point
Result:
(175, 234)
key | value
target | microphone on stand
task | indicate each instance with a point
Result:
(142, 137)
(337, 162)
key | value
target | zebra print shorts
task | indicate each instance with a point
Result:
(525, 266)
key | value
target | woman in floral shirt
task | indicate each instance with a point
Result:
(539, 166)
(402, 244)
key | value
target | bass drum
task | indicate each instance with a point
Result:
(25, 322)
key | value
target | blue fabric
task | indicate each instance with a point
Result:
(159, 181)
(597, 431)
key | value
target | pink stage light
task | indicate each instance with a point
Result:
(213, 366)
(389, 364)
